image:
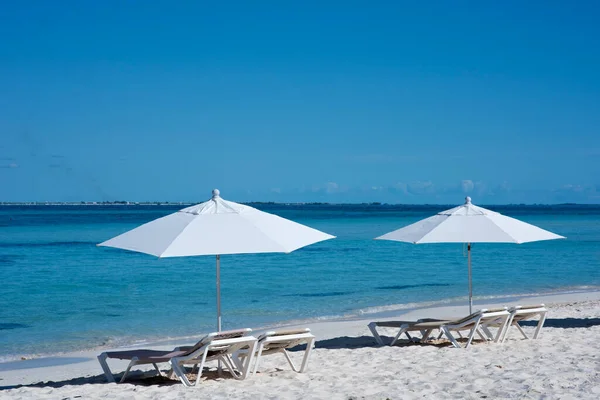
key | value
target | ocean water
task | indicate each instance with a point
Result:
(59, 292)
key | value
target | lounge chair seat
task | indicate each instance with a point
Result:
(273, 342)
(216, 345)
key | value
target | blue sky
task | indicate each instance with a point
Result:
(303, 101)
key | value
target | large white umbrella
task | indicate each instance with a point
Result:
(217, 227)
(469, 224)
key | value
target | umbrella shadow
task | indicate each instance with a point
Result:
(565, 323)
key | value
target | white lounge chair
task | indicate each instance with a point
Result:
(221, 346)
(521, 313)
(154, 357)
(424, 326)
(472, 323)
(136, 357)
(476, 323)
(272, 342)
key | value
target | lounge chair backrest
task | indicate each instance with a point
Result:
(527, 308)
(494, 310)
(468, 317)
(521, 313)
(218, 336)
(284, 333)
(484, 312)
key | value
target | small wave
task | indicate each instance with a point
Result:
(324, 294)
(401, 287)
(404, 306)
(462, 299)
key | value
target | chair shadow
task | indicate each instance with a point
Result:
(357, 342)
(565, 322)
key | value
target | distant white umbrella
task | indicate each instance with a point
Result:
(469, 224)
(217, 227)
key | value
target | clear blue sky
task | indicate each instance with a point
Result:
(300, 101)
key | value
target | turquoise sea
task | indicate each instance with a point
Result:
(59, 292)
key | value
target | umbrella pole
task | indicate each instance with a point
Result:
(218, 293)
(470, 282)
(219, 368)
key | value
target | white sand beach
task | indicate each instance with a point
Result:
(347, 364)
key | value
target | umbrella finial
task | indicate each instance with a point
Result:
(216, 193)
(467, 200)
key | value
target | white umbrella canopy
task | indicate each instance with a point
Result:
(217, 227)
(469, 224)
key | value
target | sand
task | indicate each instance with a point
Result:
(563, 363)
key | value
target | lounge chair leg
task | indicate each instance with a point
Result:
(238, 359)
(426, 335)
(249, 357)
(521, 330)
(309, 347)
(201, 366)
(131, 364)
(400, 332)
(509, 323)
(506, 331)
(180, 373)
(228, 362)
(450, 337)
(500, 334)
(289, 360)
(109, 376)
(258, 354)
(373, 328)
(540, 325)
(482, 335)
(157, 370)
(472, 334)
(488, 333)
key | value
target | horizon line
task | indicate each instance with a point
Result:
(157, 202)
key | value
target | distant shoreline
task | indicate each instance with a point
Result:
(272, 203)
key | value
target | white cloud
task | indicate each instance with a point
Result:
(10, 165)
(467, 186)
(400, 187)
(276, 190)
(332, 187)
(426, 187)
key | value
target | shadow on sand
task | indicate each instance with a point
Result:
(565, 322)
(134, 378)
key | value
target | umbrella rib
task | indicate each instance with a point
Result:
(175, 238)
(499, 227)
(420, 241)
(265, 234)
